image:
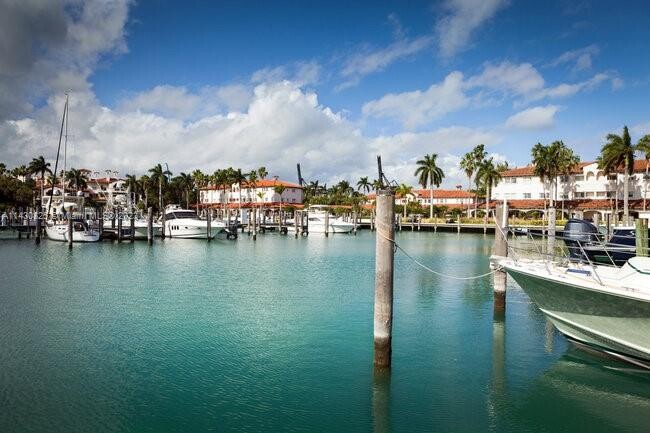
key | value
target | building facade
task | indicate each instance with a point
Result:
(261, 193)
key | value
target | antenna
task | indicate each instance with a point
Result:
(301, 181)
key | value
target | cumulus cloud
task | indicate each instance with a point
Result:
(54, 46)
(534, 118)
(303, 73)
(419, 107)
(461, 18)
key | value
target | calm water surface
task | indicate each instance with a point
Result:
(276, 335)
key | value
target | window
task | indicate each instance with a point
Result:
(580, 177)
(527, 195)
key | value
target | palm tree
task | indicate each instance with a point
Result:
(468, 165)
(429, 173)
(187, 184)
(132, 187)
(364, 184)
(377, 184)
(39, 166)
(479, 154)
(76, 178)
(20, 172)
(262, 173)
(160, 176)
(403, 191)
(238, 177)
(552, 161)
(145, 184)
(618, 153)
(489, 176)
(200, 181)
(279, 189)
(644, 146)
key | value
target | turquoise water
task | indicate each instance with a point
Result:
(276, 335)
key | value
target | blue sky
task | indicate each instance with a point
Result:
(311, 80)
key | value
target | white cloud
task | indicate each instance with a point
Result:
(565, 90)
(534, 118)
(419, 107)
(369, 61)
(508, 78)
(303, 73)
(581, 58)
(461, 18)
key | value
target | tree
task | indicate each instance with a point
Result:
(238, 177)
(39, 166)
(76, 178)
(364, 184)
(279, 189)
(262, 173)
(643, 146)
(403, 191)
(429, 173)
(552, 161)
(187, 184)
(145, 184)
(490, 175)
(617, 153)
(480, 156)
(468, 165)
(200, 181)
(159, 176)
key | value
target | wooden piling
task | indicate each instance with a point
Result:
(551, 231)
(132, 221)
(37, 239)
(70, 231)
(642, 237)
(458, 224)
(254, 224)
(372, 220)
(384, 260)
(354, 222)
(119, 227)
(150, 225)
(113, 219)
(163, 229)
(419, 222)
(500, 248)
(327, 223)
(208, 232)
(608, 225)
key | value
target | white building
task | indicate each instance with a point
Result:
(450, 198)
(262, 193)
(586, 188)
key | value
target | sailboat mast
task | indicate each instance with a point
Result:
(58, 151)
(65, 151)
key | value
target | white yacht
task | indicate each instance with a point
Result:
(186, 224)
(603, 307)
(140, 224)
(56, 204)
(81, 232)
(316, 215)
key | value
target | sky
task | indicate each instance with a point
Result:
(329, 85)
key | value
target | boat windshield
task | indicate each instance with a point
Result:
(182, 214)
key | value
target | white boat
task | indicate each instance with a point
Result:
(603, 307)
(186, 224)
(317, 214)
(140, 225)
(81, 232)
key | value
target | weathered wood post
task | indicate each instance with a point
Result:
(419, 222)
(150, 225)
(254, 224)
(163, 229)
(458, 224)
(295, 223)
(132, 225)
(500, 249)
(384, 260)
(354, 222)
(372, 220)
(39, 211)
(327, 223)
(435, 223)
(100, 218)
(642, 237)
(208, 232)
(70, 231)
(113, 219)
(119, 227)
(551, 231)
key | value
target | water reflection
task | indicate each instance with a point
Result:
(613, 395)
(381, 400)
(497, 394)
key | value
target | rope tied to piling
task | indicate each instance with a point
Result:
(380, 232)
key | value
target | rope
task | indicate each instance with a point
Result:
(425, 267)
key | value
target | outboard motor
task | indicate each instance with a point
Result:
(579, 233)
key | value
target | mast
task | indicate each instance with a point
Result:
(65, 151)
(56, 164)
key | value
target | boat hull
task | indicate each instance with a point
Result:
(606, 321)
(60, 234)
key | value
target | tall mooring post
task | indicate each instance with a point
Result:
(70, 231)
(500, 249)
(384, 260)
(550, 250)
(132, 225)
(354, 222)
(208, 232)
(327, 223)
(642, 237)
(163, 228)
(150, 225)
(254, 224)
(39, 212)
(119, 226)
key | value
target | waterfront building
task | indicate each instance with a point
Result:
(249, 194)
(582, 193)
(450, 198)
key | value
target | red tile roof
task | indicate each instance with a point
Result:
(443, 193)
(639, 167)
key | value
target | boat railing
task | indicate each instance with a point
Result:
(575, 251)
